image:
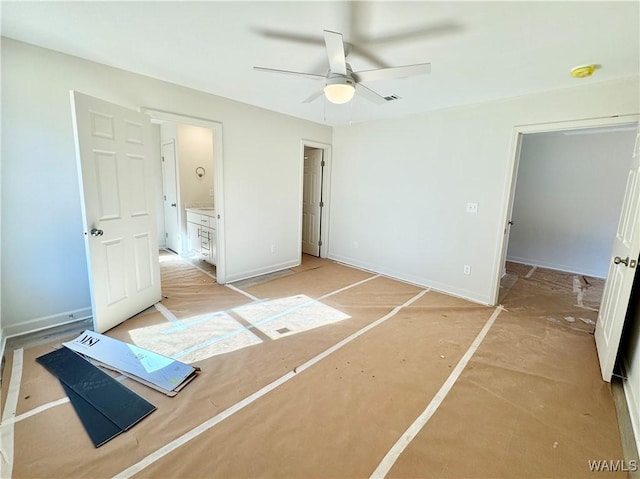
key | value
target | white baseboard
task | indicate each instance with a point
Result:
(46, 322)
(231, 278)
(422, 282)
(558, 267)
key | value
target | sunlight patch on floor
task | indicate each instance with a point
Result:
(286, 316)
(196, 338)
(203, 336)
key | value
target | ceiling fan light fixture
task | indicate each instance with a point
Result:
(339, 90)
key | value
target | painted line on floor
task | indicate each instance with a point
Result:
(44, 407)
(9, 413)
(205, 426)
(38, 410)
(394, 453)
(348, 287)
(238, 290)
(531, 271)
(168, 315)
(203, 271)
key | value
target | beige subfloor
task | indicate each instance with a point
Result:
(523, 401)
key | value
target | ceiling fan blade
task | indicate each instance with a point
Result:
(290, 36)
(313, 76)
(434, 30)
(313, 96)
(365, 53)
(392, 73)
(369, 94)
(335, 52)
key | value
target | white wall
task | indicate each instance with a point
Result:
(195, 149)
(44, 273)
(568, 199)
(399, 188)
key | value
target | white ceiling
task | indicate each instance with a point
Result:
(478, 50)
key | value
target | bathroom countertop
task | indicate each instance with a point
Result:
(203, 210)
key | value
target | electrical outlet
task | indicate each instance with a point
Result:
(467, 269)
(472, 207)
(273, 248)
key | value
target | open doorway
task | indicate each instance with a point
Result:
(193, 189)
(568, 195)
(315, 194)
(549, 205)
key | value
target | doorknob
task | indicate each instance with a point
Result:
(173, 204)
(618, 260)
(96, 232)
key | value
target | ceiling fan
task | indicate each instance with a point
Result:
(341, 82)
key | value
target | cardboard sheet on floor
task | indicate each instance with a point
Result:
(105, 407)
(152, 369)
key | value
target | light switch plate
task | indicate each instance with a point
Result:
(472, 207)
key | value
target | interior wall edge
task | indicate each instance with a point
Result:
(417, 281)
(39, 324)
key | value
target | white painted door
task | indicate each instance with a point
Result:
(113, 152)
(170, 195)
(311, 198)
(624, 260)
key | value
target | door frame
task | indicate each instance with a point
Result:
(218, 159)
(326, 190)
(511, 177)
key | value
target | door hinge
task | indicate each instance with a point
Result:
(320, 243)
(163, 158)
(166, 235)
(322, 163)
(322, 204)
(165, 197)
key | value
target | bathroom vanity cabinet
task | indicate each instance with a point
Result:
(201, 231)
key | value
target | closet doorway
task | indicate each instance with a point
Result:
(315, 196)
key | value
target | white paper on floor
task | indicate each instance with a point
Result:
(286, 316)
(196, 338)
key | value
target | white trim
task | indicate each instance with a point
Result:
(47, 322)
(218, 158)
(326, 194)
(511, 177)
(394, 453)
(264, 270)
(556, 267)
(449, 290)
(205, 426)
